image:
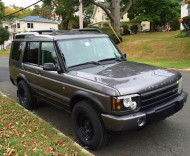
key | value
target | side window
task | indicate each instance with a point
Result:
(16, 50)
(31, 53)
(48, 54)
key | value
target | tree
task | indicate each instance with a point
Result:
(2, 9)
(115, 9)
(10, 11)
(87, 13)
(157, 12)
(4, 36)
(64, 9)
(44, 11)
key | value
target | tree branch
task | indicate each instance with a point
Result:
(105, 8)
(127, 8)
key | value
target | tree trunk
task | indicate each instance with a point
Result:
(115, 12)
(65, 23)
(3, 44)
(152, 27)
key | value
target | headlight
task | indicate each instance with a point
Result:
(126, 103)
(180, 85)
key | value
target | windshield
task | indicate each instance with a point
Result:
(81, 51)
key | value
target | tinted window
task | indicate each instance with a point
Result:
(17, 49)
(48, 54)
(31, 53)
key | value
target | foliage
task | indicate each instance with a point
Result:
(23, 133)
(181, 35)
(2, 11)
(125, 29)
(64, 9)
(108, 31)
(4, 35)
(186, 22)
(10, 11)
(134, 28)
(43, 11)
(158, 12)
(87, 13)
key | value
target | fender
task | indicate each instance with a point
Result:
(88, 96)
(23, 77)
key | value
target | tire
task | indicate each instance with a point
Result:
(88, 126)
(25, 96)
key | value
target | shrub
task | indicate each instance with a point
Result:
(186, 22)
(134, 28)
(125, 29)
(110, 33)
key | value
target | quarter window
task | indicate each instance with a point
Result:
(31, 54)
(16, 50)
(48, 54)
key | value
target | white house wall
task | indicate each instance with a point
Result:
(184, 13)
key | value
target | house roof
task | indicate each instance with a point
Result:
(36, 19)
(9, 22)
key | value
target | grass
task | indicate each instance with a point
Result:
(5, 52)
(22, 133)
(163, 49)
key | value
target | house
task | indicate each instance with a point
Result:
(100, 19)
(185, 11)
(26, 24)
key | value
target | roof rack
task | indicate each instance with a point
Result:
(41, 31)
(56, 32)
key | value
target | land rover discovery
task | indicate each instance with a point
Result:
(85, 73)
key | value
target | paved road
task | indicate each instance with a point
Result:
(170, 137)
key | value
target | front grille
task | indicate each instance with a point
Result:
(159, 96)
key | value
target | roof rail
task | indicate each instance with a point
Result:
(88, 29)
(41, 31)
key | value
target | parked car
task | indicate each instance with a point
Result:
(85, 73)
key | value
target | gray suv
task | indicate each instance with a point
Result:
(85, 73)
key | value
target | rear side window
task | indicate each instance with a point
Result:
(16, 50)
(31, 53)
(48, 54)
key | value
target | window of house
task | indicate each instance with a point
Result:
(30, 25)
(48, 54)
(18, 25)
(6, 27)
(189, 12)
(102, 17)
(31, 53)
(122, 17)
(16, 50)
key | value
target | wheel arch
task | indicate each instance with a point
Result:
(82, 95)
(22, 77)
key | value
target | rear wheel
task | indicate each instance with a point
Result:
(88, 125)
(25, 96)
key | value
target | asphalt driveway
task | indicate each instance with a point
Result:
(167, 138)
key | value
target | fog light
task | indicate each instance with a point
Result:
(141, 121)
(128, 103)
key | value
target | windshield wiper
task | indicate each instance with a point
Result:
(109, 59)
(90, 62)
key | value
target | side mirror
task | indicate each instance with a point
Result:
(49, 67)
(125, 55)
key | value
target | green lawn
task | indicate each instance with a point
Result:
(5, 52)
(158, 48)
(22, 133)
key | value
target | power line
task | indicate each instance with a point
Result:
(21, 9)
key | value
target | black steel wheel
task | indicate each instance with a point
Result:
(25, 96)
(88, 125)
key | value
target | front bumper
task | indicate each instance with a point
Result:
(142, 118)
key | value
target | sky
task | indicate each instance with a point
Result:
(22, 3)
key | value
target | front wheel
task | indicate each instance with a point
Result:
(88, 126)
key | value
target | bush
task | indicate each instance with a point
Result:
(110, 33)
(186, 22)
(125, 29)
(134, 28)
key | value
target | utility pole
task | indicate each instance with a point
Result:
(80, 14)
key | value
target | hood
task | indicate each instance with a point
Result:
(129, 77)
